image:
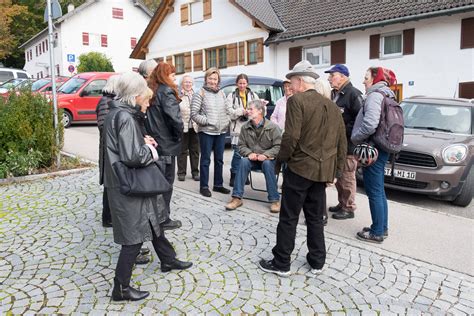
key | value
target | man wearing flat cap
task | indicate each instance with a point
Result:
(314, 147)
(349, 100)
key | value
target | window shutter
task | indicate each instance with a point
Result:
(408, 42)
(133, 42)
(260, 50)
(338, 52)
(207, 9)
(241, 53)
(466, 90)
(187, 62)
(295, 54)
(169, 60)
(85, 38)
(103, 40)
(374, 50)
(47, 46)
(184, 14)
(197, 56)
(232, 54)
(467, 33)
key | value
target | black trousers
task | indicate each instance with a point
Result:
(170, 171)
(190, 143)
(106, 216)
(297, 193)
(129, 253)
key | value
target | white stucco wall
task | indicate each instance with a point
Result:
(436, 67)
(227, 25)
(97, 18)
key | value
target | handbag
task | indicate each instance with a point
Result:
(143, 182)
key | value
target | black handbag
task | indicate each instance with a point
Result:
(145, 182)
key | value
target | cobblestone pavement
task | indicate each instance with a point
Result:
(55, 257)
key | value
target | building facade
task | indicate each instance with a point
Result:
(111, 27)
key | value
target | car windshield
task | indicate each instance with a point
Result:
(10, 84)
(38, 84)
(71, 86)
(437, 117)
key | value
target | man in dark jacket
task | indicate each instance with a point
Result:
(349, 100)
(314, 147)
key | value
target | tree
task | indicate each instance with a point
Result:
(94, 61)
(8, 12)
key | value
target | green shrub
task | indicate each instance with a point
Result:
(94, 61)
(27, 134)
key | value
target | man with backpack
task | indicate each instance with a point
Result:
(349, 100)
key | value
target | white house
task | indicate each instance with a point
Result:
(428, 44)
(111, 27)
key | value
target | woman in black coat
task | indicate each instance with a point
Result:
(135, 219)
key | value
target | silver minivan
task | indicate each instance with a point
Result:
(11, 73)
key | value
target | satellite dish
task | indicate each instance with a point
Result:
(56, 10)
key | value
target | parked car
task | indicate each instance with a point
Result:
(13, 85)
(11, 73)
(438, 150)
(45, 84)
(269, 89)
(79, 96)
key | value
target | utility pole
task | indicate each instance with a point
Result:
(50, 11)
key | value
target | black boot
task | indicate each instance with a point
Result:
(127, 293)
(232, 179)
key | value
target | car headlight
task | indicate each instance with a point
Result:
(454, 153)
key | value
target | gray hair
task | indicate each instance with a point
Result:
(110, 86)
(184, 77)
(258, 105)
(146, 67)
(308, 80)
(129, 86)
(323, 88)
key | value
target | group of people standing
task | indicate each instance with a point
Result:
(310, 138)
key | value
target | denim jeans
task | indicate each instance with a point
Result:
(208, 144)
(373, 183)
(268, 169)
(236, 157)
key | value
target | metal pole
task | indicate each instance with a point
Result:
(53, 80)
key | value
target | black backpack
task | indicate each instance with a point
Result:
(389, 133)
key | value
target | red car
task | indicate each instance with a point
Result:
(43, 85)
(80, 95)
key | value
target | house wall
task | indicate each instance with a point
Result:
(228, 25)
(435, 69)
(96, 19)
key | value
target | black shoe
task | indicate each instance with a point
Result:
(369, 237)
(367, 229)
(335, 209)
(343, 214)
(232, 179)
(205, 192)
(142, 259)
(196, 177)
(267, 266)
(325, 220)
(247, 182)
(171, 224)
(181, 178)
(106, 223)
(221, 190)
(144, 251)
(127, 293)
(175, 265)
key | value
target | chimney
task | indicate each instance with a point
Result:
(70, 7)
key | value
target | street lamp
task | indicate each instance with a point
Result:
(53, 11)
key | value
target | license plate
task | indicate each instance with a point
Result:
(401, 174)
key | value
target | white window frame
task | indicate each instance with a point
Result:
(198, 7)
(320, 46)
(382, 45)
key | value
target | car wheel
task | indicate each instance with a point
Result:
(464, 198)
(67, 118)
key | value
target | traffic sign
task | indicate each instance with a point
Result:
(71, 68)
(71, 58)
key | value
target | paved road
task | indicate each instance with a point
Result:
(55, 257)
(84, 138)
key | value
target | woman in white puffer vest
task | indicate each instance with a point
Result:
(239, 99)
